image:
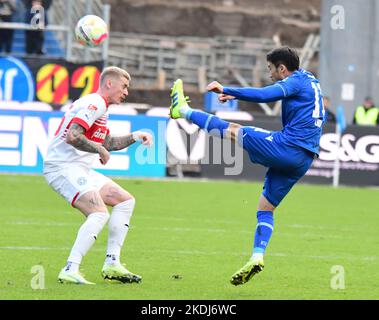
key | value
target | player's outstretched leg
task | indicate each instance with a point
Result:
(180, 109)
(179, 103)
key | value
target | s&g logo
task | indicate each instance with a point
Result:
(365, 149)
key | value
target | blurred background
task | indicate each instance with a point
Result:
(158, 41)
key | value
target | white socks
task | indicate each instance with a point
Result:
(257, 256)
(185, 110)
(88, 232)
(118, 229)
(86, 237)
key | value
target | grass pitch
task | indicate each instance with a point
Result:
(188, 238)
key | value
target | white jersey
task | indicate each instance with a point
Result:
(91, 112)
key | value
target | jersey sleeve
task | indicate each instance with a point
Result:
(88, 115)
(290, 86)
(266, 94)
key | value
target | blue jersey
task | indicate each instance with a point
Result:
(302, 107)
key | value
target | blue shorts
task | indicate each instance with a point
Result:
(287, 163)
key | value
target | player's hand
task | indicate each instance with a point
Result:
(215, 87)
(144, 137)
(104, 155)
(224, 97)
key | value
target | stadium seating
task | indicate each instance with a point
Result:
(51, 45)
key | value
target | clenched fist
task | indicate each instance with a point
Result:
(144, 137)
(216, 87)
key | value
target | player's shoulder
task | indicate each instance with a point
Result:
(305, 75)
(92, 100)
(300, 78)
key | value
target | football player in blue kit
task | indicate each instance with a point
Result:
(287, 154)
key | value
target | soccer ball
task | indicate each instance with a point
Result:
(91, 31)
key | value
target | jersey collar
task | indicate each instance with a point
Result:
(106, 102)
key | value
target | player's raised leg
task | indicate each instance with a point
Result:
(123, 205)
(93, 207)
(213, 125)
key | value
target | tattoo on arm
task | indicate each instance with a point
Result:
(77, 139)
(118, 143)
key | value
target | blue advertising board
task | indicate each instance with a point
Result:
(25, 135)
(16, 80)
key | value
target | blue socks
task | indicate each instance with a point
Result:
(214, 125)
(265, 227)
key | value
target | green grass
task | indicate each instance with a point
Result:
(202, 231)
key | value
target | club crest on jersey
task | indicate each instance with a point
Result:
(82, 181)
(92, 107)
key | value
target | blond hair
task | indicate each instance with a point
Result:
(113, 72)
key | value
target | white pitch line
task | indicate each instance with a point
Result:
(203, 221)
(208, 253)
(43, 224)
(32, 248)
(184, 229)
(318, 227)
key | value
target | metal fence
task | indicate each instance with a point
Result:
(155, 61)
(158, 60)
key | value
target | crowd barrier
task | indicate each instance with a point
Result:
(24, 137)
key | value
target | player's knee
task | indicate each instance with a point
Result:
(99, 207)
(101, 218)
(233, 130)
(127, 205)
(91, 202)
(265, 205)
(235, 127)
(127, 197)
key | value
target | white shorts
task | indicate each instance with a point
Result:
(71, 183)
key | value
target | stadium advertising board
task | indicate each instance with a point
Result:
(24, 138)
(53, 81)
(358, 156)
(210, 157)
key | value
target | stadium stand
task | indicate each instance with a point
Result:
(51, 44)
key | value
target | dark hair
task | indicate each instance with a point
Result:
(286, 56)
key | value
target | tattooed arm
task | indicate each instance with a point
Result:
(118, 143)
(76, 138)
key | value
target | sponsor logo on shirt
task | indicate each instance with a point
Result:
(99, 134)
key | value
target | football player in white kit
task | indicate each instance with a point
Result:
(81, 139)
